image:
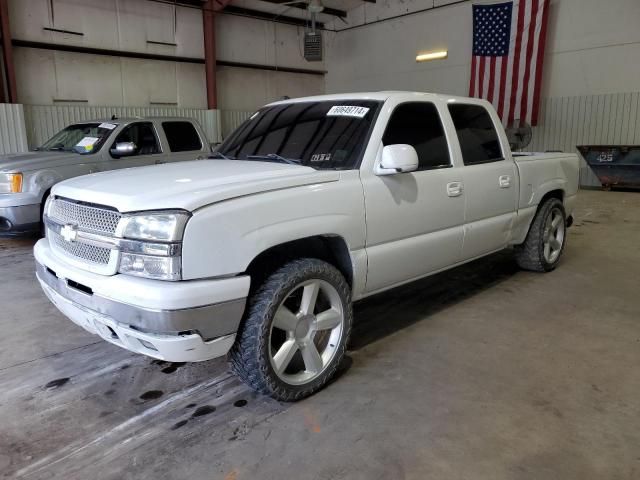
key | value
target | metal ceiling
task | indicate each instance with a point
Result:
(333, 8)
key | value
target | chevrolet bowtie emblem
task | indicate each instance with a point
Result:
(69, 232)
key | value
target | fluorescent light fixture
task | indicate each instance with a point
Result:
(425, 57)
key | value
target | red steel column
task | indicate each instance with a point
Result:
(7, 51)
(209, 10)
(209, 27)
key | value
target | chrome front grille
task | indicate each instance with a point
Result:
(86, 217)
(81, 251)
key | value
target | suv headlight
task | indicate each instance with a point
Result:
(152, 244)
(10, 182)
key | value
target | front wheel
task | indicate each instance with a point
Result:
(296, 331)
(545, 241)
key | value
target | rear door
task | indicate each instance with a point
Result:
(183, 141)
(490, 180)
(414, 220)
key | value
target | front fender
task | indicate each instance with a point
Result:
(223, 239)
(41, 181)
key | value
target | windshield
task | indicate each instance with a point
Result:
(323, 135)
(81, 138)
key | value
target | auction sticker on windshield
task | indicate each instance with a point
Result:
(108, 126)
(347, 111)
(87, 143)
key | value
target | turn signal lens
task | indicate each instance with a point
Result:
(16, 182)
(10, 182)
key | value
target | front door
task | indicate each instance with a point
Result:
(414, 220)
(147, 149)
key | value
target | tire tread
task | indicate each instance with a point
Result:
(246, 357)
(529, 255)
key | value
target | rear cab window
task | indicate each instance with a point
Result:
(182, 136)
(477, 134)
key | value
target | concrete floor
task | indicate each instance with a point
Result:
(484, 372)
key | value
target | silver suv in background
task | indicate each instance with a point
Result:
(89, 147)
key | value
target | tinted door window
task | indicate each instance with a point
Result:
(477, 135)
(182, 136)
(418, 124)
(142, 135)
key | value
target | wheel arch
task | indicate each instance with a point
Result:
(527, 215)
(558, 193)
(330, 248)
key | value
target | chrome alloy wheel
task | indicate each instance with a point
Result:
(306, 332)
(553, 236)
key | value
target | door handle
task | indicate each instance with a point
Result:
(454, 189)
(504, 181)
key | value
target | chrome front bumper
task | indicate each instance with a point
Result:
(190, 334)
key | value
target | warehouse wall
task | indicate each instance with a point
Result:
(53, 77)
(592, 65)
(592, 48)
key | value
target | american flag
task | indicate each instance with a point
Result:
(508, 52)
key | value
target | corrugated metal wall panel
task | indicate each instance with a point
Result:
(43, 121)
(13, 137)
(608, 119)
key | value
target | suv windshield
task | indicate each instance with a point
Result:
(323, 135)
(81, 138)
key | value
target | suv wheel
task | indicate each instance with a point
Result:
(545, 241)
(296, 331)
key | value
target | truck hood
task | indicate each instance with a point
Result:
(187, 185)
(25, 162)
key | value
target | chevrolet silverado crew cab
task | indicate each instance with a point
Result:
(26, 178)
(311, 204)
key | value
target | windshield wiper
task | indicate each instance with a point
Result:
(220, 155)
(56, 147)
(274, 157)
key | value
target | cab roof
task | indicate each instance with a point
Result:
(134, 119)
(378, 96)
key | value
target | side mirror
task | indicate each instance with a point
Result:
(123, 149)
(400, 158)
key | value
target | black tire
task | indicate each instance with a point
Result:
(250, 356)
(42, 231)
(530, 254)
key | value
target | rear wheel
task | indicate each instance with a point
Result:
(296, 331)
(545, 241)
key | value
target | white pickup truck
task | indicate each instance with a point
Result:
(308, 206)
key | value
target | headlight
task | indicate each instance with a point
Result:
(152, 244)
(158, 226)
(10, 182)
